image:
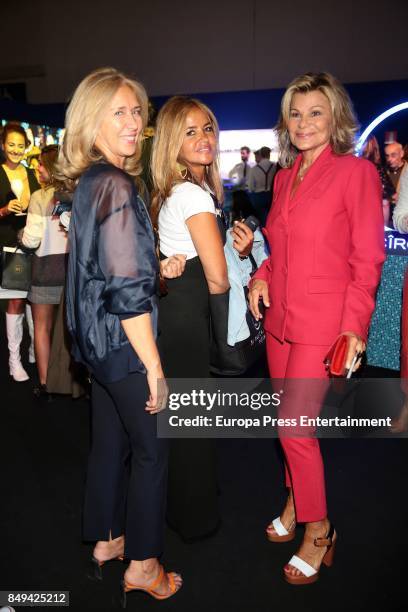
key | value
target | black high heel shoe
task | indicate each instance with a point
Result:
(95, 570)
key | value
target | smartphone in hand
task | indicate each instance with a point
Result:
(252, 222)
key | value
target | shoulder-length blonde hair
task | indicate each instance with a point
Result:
(168, 140)
(344, 122)
(83, 119)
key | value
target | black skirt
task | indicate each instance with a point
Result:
(192, 505)
(184, 324)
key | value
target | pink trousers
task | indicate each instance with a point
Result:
(304, 469)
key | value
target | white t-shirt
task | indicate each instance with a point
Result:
(186, 200)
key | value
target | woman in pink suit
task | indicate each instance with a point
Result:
(325, 232)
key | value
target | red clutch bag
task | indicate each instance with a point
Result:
(335, 359)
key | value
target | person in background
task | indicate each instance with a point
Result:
(112, 317)
(384, 337)
(186, 209)
(17, 183)
(385, 334)
(394, 156)
(388, 339)
(241, 203)
(43, 235)
(260, 184)
(399, 423)
(239, 174)
(371, 151)
(318, 283)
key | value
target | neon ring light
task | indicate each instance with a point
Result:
(377, 121)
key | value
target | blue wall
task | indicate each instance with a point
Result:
(259, 109)
(250, 109)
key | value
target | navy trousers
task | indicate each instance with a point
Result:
(127, 469)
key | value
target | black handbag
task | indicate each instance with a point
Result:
(15, 269)
(234, 360)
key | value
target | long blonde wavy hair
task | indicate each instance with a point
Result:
(83, 119)
(344, 126)
(168, 140)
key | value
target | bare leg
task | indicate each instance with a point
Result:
(16, 306)
(43, 319)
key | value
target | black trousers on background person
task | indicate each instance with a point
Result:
(127, 469)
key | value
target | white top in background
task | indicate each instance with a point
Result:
(186, 200)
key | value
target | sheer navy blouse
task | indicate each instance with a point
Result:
(112, 271)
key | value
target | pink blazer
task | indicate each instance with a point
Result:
(327, 250)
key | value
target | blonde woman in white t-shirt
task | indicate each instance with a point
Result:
(186, 209)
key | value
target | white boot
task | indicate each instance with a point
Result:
(30, 323)
(14, 325)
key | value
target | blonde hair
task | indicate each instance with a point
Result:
(168, 140)
(83, 119)
(344, 122)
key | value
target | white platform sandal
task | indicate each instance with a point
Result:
(308, 573)
(281, 533)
